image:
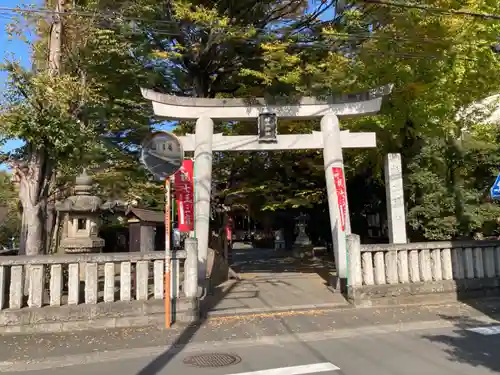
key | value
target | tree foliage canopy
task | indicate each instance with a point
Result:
(92, 114)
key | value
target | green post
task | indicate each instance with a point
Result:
(173, 205)
(347, 260)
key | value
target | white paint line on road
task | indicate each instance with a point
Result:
(295, 370)
(486, 331)
(148, 352)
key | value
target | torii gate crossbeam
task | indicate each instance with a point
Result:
(285, 142)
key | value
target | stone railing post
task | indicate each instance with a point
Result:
(354, 278)
(36, 285)
(191, 268)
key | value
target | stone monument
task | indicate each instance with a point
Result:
(82, 210)
(396, 215)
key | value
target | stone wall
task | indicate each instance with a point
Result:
(424, 271)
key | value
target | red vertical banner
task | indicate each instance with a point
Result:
(184, 195)
(229, 229)
(338, 178)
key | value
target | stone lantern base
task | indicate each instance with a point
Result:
(303, 251)
(83, 245)
(302, 247)
(74, 245)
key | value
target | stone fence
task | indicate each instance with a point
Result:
(422, 271)
(67, 292)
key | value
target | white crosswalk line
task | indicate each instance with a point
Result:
(295, 370)
(486, 331)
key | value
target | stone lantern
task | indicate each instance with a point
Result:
(302, 246)
(82, 210)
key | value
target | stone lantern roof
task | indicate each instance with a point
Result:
(81, 200)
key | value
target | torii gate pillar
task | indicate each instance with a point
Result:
(203, 188)
(333, 161)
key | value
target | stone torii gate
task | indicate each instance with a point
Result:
(330, 139)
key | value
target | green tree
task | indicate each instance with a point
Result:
(90, 114)
(218, 49)
(439, 64)
(10, 221)
(39, 110)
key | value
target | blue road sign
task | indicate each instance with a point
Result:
(495, 189)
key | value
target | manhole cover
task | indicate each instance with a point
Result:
(212, 360)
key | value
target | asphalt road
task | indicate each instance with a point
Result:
(413, 348)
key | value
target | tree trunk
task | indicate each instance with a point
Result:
(32, 225)
(22, 236)
(55, 39)
(56, 233)
(34, 177)
(35, 229)
(55, 59)
(50, 226)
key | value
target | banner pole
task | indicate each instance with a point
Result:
(167, 287)
(194, 198)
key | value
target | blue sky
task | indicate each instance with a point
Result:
(8, 48)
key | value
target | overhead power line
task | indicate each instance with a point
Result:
(135, 29)
(435, 10)
(397, 38)
(110, 15)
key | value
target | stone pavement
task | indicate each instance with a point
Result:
(272, 292)
(272, 280)
(390, 338)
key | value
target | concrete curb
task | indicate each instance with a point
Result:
(69, 318)
(320, 306)
(151, 313)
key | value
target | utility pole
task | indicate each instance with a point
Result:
(55, 39)
(54, 68)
